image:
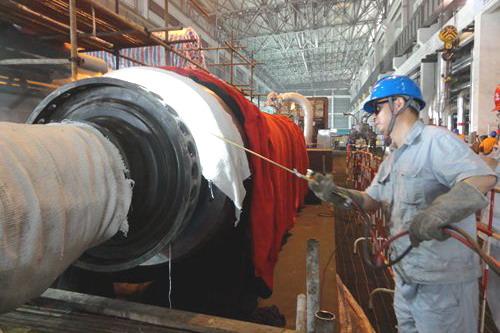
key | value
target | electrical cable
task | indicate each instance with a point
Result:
(381, 262)
(450, 230)
(472, 244)
(457, 233)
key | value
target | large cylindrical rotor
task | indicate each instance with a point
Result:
(167, 216)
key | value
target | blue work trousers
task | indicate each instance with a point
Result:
(437, 308)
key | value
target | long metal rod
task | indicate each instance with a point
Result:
(251, 76)
(234, 64)
(293, 171)
(312, 283)
(31, 61)
(181, 41)
(73, 39)
(120, 32)
(17, 82)
(94, 27)
(211, 48)
(231, 68)
(166, 19)
(173, 28)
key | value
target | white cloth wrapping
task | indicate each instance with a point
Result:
(224, 165)
(62, 191)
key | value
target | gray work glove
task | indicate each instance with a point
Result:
(460, 201)
(325, 189)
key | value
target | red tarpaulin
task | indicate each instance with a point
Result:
(276, 194)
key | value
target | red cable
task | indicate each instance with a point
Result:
(459, 235)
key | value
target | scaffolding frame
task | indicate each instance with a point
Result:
(88, 15)
(234, 50)
(94, 27)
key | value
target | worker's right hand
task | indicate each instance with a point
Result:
(322, 185)
(325, 189)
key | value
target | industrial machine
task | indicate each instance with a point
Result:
(189, 240)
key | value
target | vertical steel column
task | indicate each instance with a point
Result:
(117, 51)
(252, 65)
(117, 58)
(73, 39)
(231, 74)
(165, 18)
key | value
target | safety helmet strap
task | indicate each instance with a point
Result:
(394, 114)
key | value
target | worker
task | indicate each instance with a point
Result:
(487, 144)
(430, 180)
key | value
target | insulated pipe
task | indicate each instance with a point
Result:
(63, 190)
(324, 322)
(308, 112)
(92, 64)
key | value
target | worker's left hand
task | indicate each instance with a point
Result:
(462, 200)
(426, 226)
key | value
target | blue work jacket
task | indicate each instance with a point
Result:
(428, 164)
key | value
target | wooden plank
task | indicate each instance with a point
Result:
(155, 315)
(35, 319)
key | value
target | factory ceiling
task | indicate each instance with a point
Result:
(310, 46)
(304, 45)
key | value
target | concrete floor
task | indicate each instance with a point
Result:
(314, 221)
(290, 272)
